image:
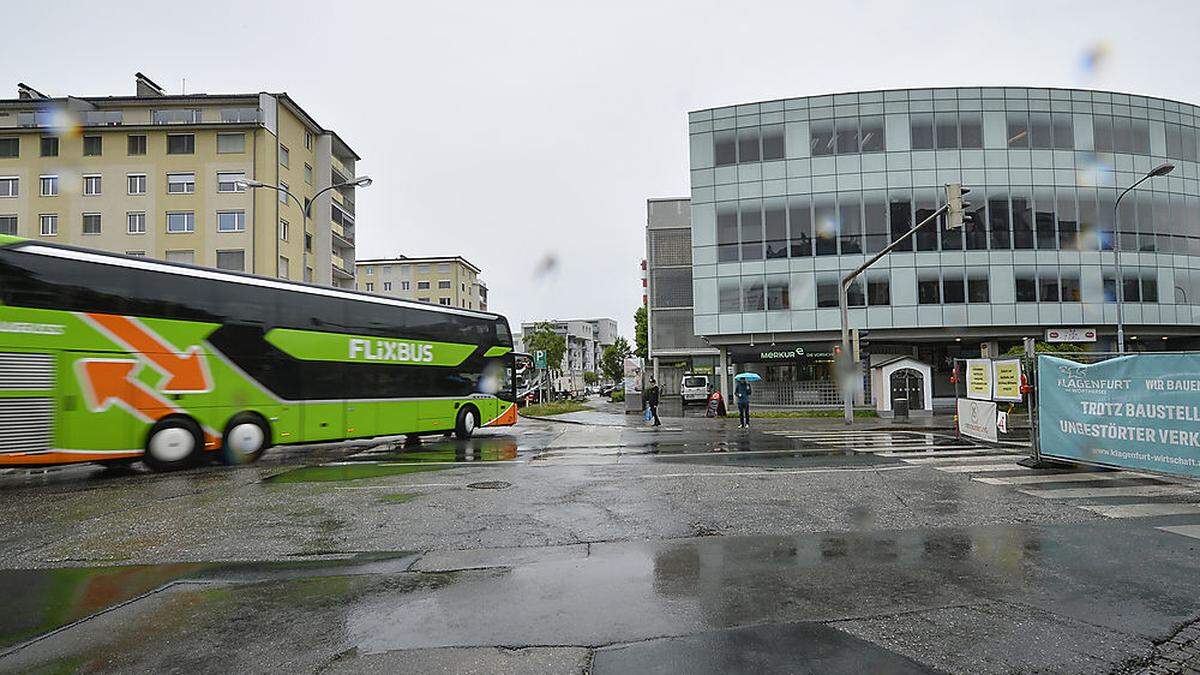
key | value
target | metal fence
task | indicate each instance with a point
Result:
(810, 394)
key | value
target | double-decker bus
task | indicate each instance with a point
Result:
(111, 358)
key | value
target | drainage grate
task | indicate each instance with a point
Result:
(489, 485)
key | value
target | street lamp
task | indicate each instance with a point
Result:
(357, 182)
(1160, 170)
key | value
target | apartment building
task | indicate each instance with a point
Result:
(451, 281)
(585, 343)
(157, 174)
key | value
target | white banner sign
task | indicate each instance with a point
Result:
(1070, 335)
(977, 419)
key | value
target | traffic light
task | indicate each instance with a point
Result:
(957, 214)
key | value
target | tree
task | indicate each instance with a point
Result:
(640, 337)
(590, 377)
(543, 338)
(613, 359)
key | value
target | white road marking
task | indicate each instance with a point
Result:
(912, 450)
(1192, 531)
(1085, 477)
(981, 468)
(942, 458)
(977, 451)
(1144, 510)
(1090, 493)
(394, 486)
(768, 472)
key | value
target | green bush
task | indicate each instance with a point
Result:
(552, 408)
(617, 396)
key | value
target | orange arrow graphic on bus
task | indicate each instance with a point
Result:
(111, 381)
(185, 374)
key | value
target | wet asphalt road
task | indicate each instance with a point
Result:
(604, 547)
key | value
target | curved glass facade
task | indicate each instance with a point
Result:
(788, 195)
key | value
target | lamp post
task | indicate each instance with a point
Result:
(306, 211)
(1160, 170)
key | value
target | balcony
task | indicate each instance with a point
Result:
(51, 118)
(176, 116)
(339, 268)
(58, 118)
(343, 237)
(339, 168)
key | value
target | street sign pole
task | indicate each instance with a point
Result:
(847, 358)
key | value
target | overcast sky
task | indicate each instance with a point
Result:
(509, 131)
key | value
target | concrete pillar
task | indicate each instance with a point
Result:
(655, 360)
(724, 374)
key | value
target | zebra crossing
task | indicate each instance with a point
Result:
(1154, 496)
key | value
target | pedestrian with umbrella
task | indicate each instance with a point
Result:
(742, 393)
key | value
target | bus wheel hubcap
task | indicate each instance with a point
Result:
(172, 445)
(469, 423)
(246, 438)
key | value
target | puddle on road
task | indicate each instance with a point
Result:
(343, 472)
(393, 460)
(41, 600)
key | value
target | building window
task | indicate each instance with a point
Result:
(444, 301)
(10, 147)
(929, 290)
(136, 144)
(234, 261)
(443, 284)
(181, 144)
(443, 267)
(229, 181)
(182, 257)
(283, 267)
(778, 294)
(284, 230)
(1048, 285)
(404, 285)
(879, 290)
(308, 140)
(91, 185)
(49, 146)
(231, 221)
(93, 146)
(308, 274)
(179, 222)
(181, 183)
(977, 287)
(370, 286)
(283, 193)
(387, 285)
(9, 186)
(423, 268)
(136, 222)
(136, 254)
(136, 183)
(8, 225)
(48, 223)
(91, 223)
(1025, 282)
(1149, 286)
(827, 290)
(422, 285)
(49, 185)
(308, 174)
(953, 289)
(284, 156)
(1070, 289)
(308, 242)
(422, 299)
(231, 143)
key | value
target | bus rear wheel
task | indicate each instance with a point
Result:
(173, 443)
(467, 423)
(246, 438)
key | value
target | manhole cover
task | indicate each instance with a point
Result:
(489, 485)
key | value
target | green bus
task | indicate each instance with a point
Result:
(111, 358)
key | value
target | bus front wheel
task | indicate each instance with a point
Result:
(468, 421)
(246, 438)
(173, 443)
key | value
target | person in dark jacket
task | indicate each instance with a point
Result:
(652, 400)
(742, 393)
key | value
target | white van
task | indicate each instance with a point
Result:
(694, 388)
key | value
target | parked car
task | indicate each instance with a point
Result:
(695, 389)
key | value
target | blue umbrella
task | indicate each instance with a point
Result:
(748, 377)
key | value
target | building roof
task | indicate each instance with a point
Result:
(170, 99)
(419, 259)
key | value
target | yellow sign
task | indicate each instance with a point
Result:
(1007, 376)
(979, 379)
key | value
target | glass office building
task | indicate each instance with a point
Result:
(788, 195)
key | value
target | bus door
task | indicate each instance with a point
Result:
(362, 418)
